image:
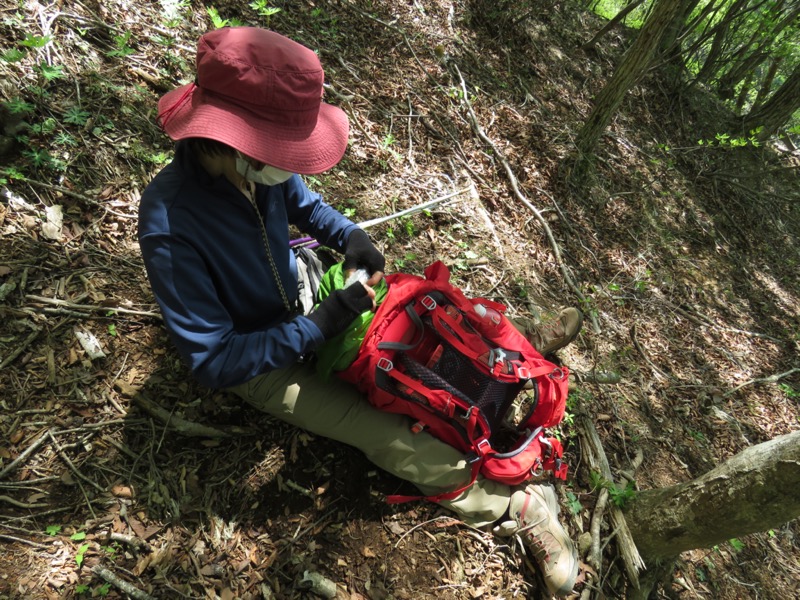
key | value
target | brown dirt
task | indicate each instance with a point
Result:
(688, 258)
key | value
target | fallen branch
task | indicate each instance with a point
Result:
(21, 348)
(640, 350)
(180, 425)
(18, 504)
(131, 540)
(592, 449)
(418, 525)
(770, 379)
(595, 558)
(124, 586)
(25, 455)
(12, 538)
(63, 190)
(521, 197)
(704, 321)
(72, 467)
(91, 307)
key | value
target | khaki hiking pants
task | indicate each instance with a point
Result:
(337, 410)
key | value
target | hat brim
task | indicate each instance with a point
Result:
(282, 146)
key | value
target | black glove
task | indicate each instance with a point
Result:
(337, 311)
(360, 252)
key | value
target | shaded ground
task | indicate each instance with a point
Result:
(688, 257)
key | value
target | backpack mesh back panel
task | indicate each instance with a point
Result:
(454, 370)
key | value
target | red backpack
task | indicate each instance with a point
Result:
(455, 366)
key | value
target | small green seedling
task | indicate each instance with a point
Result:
(736, 544)
(263, 9)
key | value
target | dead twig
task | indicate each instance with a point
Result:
(63, 190)
(659, 373)
(131, 540)
(417, 526)
(592, 449)
(33, 517)
(78, 474)
(24, 455)
(91, 307)
(72, 466)
(770, 379)
(124, 586)
(521, 197)
(595, 558)
(178, 424)
(12, 538)
(21, 348)
(18, 504)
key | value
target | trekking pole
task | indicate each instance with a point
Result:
(412, 210)
(311, 243)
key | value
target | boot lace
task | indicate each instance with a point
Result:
(542, 551)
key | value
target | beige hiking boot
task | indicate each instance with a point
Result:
(549, 337)
(534, 511)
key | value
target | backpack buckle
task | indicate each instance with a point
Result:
(384, 364)
(428, 302)
(558, 374)
(467, 414)
(496, 356)
(522, 371)
(480, 450)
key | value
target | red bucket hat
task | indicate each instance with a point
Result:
(261, 93)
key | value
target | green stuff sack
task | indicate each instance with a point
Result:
(337, 353)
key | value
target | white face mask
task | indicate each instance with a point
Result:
(267, 175)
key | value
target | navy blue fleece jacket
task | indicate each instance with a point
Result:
(204, 252)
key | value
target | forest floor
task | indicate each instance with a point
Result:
(687, 256)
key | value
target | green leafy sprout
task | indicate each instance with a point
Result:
(574, 504)
(122, 48)
(217, 21)
(74, 115)
(36, 41)
(736, 544)
(51, 72)
(264, 10)
(81, 551)
(724, 140)
(619, 496)
(17, 106)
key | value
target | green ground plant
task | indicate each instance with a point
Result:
(122, 47)
(574, 504)
(724, 140)
(618, 495)
(264, 10)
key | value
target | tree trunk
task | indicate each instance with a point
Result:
(612, 23)
(766, 84)
(744, 93)
(634, 64)
(744, 61)
(755, 490)
(712, 61)
(670, 43)
(776, 111)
